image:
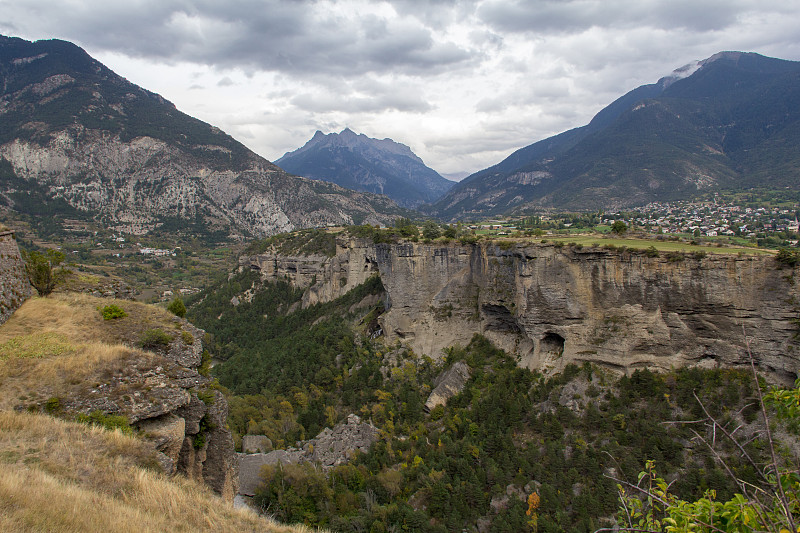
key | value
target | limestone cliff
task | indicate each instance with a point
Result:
(14, 285)
(556, 305)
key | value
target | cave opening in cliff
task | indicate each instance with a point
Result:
(370, 265)
(552, 343)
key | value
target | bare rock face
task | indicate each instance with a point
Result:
(167, 433)
(136, 182)
(14, 285)
(220, 468)
(127, 156)
(332, 447)
(553, 306)
(448, 384)
(324, 278)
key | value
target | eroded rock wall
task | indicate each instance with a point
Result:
(14, 285)
(324, 278)
(135, 184)
(332, 447)
(555, 305)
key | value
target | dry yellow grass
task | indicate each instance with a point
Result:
(62, 477)
(77, 318)
(52, 345)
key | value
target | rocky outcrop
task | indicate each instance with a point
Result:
(332, 447)
(448, 384)
(162, 395)
(554, 305)
(325, 278)
(14, 285)
(138, 184)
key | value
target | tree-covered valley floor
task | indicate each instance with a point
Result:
(473, 463)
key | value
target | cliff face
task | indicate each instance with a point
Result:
(325, 278)
(558, 305)
(14, 286)
(164, 396)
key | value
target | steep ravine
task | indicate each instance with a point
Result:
(555, 305)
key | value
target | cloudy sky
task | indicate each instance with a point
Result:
(462, 82)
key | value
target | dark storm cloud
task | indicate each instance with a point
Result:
(289, 36)
(560, 16)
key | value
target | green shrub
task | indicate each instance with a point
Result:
(788, 257)
(206, 396)
(41, 270)
(153, 339)
(619, 227)
(187, 338)
(108, 421)
(651, 252)
(52, 405)
(113, 311)
(205, 364)
(199, 441)
(177, 308)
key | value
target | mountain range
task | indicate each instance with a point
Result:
(358, 162)
(78, 140)
(730, 121)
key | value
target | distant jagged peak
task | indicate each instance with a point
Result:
(347, 138)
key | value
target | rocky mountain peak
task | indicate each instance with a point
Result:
(356, 161)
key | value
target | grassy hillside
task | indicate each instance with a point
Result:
(88, 478)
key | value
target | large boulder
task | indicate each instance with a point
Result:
(448, 384)
(256, 444)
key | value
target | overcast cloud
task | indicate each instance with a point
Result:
(463, 83)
